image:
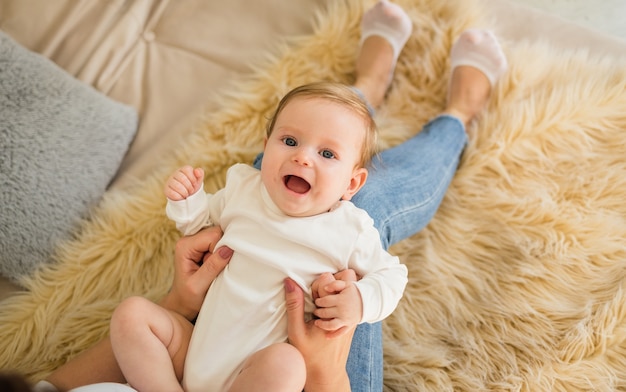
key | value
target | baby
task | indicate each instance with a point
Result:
(293, 218)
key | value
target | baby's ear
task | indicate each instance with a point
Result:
(359, 176)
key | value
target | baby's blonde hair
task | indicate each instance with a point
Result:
(344, 95)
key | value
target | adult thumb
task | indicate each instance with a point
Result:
(214, 263)
(294, 298)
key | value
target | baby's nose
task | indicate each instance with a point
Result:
(302, 157)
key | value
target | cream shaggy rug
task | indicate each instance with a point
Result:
(518, 284)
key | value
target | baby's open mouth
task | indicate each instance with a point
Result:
(297, 184)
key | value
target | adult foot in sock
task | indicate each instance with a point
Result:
(385, 28)
(477, 64)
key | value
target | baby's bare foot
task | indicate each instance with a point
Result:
(477, 63)
(385, 28)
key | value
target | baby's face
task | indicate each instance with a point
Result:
(311, 158)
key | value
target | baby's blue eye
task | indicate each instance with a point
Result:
(290, 141)
(328, 154)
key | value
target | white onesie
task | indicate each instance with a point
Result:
(244, 310)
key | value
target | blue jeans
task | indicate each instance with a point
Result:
(402, 193)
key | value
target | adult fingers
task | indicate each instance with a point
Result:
(192, 277)
(294, 298)
(213, 264)
(193, 248)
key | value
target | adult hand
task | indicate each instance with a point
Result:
(325, 358)
(196, 265)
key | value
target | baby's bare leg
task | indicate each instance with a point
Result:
(150, 344)
(279, 368)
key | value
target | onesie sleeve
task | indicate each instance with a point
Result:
(192, 214)
(383, 280)
(203, 209)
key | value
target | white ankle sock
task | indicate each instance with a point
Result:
(388, 21)
(479, 49)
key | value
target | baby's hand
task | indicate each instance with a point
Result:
(339, 303)
(183, 183)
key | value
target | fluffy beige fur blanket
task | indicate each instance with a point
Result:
(519, 282)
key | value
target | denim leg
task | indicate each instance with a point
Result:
(407, 183)
(402, 193)
(365, 362)
(257, 161)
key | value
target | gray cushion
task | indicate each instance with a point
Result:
(61, 143)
